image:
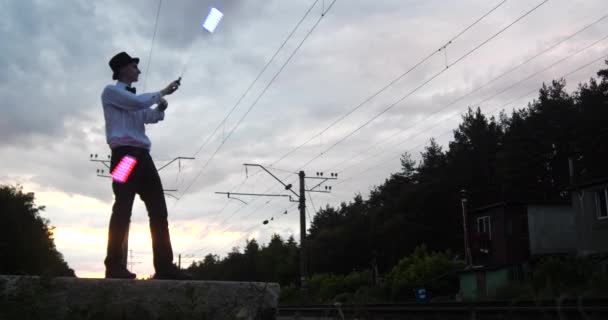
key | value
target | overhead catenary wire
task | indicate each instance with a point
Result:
(585, 65)
(160, 2)
(510, 70)
(248, 89)
(255, 102)
(458, 60)
(251, 212)
(309, 217)
(311, 198)
(423, 84)
(511, 101)
(503, 105)
(384, 88)
(236, 211)
(233, 214)
(390, 84)
(246, 232)
(536, 73)
(399, 77)
(242, 96)
(311, 201)
(255, 80)
(496, 35)
(378, 92)
(495, 94)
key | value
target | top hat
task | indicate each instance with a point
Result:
(120, 60)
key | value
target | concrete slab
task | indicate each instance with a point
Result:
(27, 297)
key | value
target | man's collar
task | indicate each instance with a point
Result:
(121, 84)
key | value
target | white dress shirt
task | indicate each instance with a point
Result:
(126, 113)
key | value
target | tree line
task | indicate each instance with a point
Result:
(27, 246)
(521, 155)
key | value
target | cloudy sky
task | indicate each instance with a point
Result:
(54, 67)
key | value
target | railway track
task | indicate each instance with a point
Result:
(565, 309)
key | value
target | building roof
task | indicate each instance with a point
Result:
(516, 203)
(468, 269)
(589, 183)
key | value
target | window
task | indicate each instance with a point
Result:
(601, 203)
(483, 226)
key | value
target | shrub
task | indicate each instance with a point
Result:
(422, 269)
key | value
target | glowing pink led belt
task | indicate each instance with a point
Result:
(123, 169)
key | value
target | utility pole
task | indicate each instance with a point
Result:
(303, 260)
(101, 173)
(302, 206)
(179, 261)
(468, 259)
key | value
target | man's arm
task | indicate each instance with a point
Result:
(157, 114)
(123, 99)
(126, 100)
(153, 115)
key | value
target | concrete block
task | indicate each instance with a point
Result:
(28, 297)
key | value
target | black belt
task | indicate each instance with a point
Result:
(131, 148)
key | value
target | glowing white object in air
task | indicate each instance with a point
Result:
(213, 19)
(123, 169)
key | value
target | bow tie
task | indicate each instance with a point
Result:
(131, 89)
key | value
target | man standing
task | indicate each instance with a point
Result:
(125, 114)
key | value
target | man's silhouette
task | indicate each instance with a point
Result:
(125, 114)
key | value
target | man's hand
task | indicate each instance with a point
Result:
(163, 104)
(172, 87)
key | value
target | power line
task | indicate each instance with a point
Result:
(303, 211)
(288, 186)
(391, 83)
(160, 2)
(496, 94)
(424, 83)
(478, 88)
(256, 101)
(245, 233)
(254, 210)
(308, 214)
(238, 187)
(602, 57)
(429, 80)
(492, 110)
(490, 38)
(300, 196)
(234, 213)
(257, 77)
(312, 203)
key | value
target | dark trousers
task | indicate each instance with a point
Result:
(145, 181)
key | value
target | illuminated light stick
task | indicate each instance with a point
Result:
(213, 19)
(123, 169)
(210, 24)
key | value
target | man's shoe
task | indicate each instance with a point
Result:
(172, 273)
(119, 273)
